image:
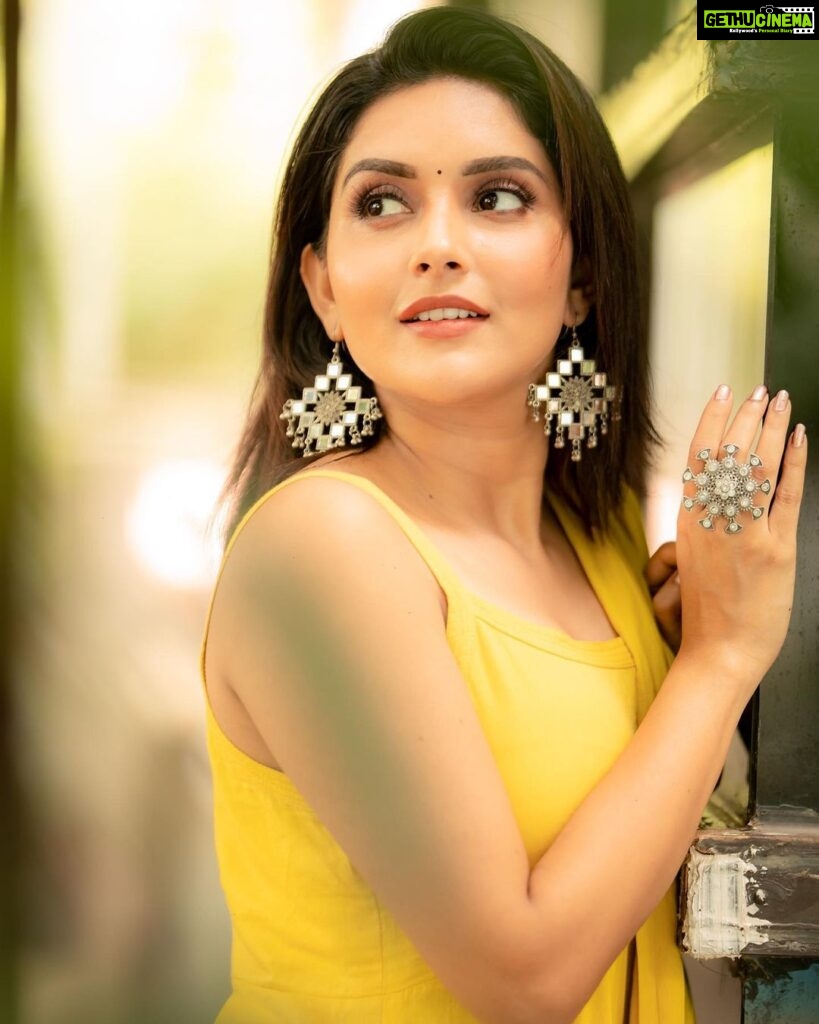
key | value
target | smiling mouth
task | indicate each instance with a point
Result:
(445, 313)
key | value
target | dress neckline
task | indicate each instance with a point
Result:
(497, 615)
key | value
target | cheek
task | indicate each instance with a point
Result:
(535, 267)
(551, 265)
(359, 276)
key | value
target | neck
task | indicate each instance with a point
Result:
(475, 467)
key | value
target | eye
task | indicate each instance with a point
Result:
(499, 199)
(382, 206)
(504, 197)
(375, 204)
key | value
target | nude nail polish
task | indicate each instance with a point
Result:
(781, 401)
(759, 392)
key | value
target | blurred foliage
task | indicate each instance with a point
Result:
(196, 259)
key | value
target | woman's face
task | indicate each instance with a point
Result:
(444, 201)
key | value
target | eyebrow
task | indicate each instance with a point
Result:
(479, 166)
(391, 167)
(502, 163)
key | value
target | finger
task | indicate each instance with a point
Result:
(788, 496)
(771, 443)
(745, 424)
(711, 426)
(707, 438)
(759, 468)
(661, 565)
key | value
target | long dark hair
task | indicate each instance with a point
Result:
(557, 110)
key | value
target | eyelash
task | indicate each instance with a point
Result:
(517, 188)
(359, 201)
(366, 193)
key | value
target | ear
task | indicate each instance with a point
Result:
(316, 280)
(580, 297)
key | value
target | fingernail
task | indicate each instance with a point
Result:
(677, 578)
(798, 435)
(759, 393)
(781, 401)
(722, 392)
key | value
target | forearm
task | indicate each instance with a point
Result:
(619, 853)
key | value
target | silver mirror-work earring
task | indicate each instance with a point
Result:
(324, 414)
(577, 395)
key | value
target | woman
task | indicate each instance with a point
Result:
(448, 785)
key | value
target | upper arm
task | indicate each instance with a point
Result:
(333, 638)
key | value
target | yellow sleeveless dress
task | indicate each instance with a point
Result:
(311, 942)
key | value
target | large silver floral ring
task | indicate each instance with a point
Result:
(725, 488)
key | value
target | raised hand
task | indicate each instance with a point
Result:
(737, 587)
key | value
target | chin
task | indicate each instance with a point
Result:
(456, 386)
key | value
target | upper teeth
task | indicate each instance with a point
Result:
(448, 313)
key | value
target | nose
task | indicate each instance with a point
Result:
(440, 244)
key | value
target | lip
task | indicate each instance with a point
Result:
(440, 302)
(444, 328)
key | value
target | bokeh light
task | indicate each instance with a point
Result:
(167, 522)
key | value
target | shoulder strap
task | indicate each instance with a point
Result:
(438, 565)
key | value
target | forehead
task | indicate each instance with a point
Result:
(440, 121)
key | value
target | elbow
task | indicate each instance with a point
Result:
(529, 979)
(553, 1003)
(541, 997)
(551, 987)
(549, 1003)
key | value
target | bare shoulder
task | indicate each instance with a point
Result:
(330, 527)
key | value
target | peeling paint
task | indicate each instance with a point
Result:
(722, 906)
(754, 890)
(780, 990)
